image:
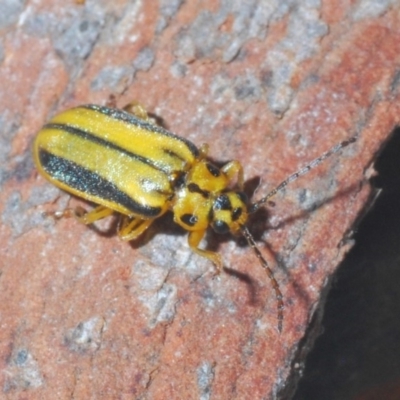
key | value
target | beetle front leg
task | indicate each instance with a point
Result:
(132, 228)
(232, 169)
(194, 239)
(203, 150)
(139, 111)
(83, 216)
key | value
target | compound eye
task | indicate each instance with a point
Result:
(220, 226)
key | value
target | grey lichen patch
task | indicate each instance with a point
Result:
(215, 296)
(2, 55)
(10, 11)
(178, 69)
(304, 32)
(310, 200)
(243, 87)
(22, 215)
(168, 9)
(206, 38)
(73, 33)
(158, 296)
(40, 24)
(118, 78)
(247, 87)
(144, 60)
(14, 214)
(22, 372)
(86, 336)
(205, 378)
(78, 39)
(9, 126)
(170, 251)
(163, 304)
(147, 277)
(22, 166)
(114, 78)
(372, 8)
(18, 167)
(42, 195)
(120, 23)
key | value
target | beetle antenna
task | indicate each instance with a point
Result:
(274, 282)
(255, 206)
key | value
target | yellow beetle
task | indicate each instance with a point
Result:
(127, 164)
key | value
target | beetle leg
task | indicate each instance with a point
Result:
(83, 216)
(134, 107)
(194, 239)
(232, 169)
(203, 150)
(137, 110)
(131, 228)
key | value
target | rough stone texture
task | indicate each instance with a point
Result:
(274, 84)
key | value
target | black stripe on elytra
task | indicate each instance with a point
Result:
(173, 154)
(129, 118)
(86, 181)
(95, 139)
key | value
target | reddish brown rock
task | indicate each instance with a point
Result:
(84, 315)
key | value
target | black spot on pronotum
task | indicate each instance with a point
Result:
(194, 188)
(236, 213)
(222, 202)
(214, 171)
(189, 219)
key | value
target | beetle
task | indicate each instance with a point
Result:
(125, 163)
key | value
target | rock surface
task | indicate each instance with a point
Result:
(86, 316)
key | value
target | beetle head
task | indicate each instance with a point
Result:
(228, 212)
